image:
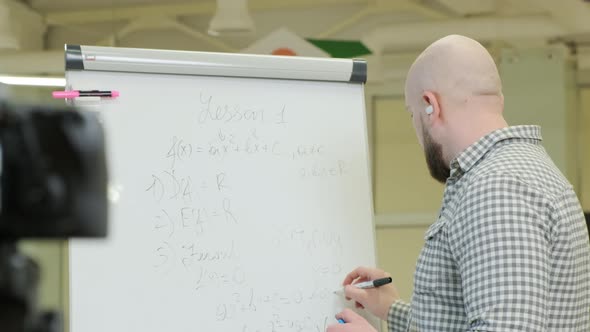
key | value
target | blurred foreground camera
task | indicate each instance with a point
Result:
(53, 184)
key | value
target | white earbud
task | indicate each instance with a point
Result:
(429, 110)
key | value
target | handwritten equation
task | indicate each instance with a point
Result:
(251, 301)
(205, 227)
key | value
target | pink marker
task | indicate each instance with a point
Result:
(88, 93)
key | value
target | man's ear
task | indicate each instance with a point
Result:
(432, 108)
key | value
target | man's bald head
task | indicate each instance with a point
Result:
(455, 67)
(456, 80)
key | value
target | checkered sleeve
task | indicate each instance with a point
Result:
(399, 314)
(500, 244)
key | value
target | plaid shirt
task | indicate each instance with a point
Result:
(509, 250)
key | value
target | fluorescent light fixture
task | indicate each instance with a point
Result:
(232, 17)
(34, 81)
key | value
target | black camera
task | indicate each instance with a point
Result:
(53, 184)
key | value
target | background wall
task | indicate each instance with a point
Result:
(584, 147)
(403, 190)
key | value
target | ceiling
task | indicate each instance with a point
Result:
(183, 24)
(390, 27)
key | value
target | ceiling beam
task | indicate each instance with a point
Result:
(162, 22)
(179, 9)
(381, 7)
(413, 5)
(410, 36)
(574, 15)
(194, 33)
(26, 25)
(469, 7)
(347, 22)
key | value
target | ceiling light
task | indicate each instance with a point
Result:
(231, 17)
(35, 81)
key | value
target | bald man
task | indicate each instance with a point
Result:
(509, 250)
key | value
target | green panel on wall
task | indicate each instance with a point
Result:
(341, 48)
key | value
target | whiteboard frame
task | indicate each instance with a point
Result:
(99, 58)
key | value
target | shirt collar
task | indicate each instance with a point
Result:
(470, 156)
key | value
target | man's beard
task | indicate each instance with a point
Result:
(439, 170)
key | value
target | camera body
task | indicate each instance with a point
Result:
(53, 177)
(53, 184)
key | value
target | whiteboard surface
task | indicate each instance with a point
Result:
(238, 205)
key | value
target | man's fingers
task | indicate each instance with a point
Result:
(362, 273)
(349, 316)
(352, 322)
(350, 278)
(356, 294)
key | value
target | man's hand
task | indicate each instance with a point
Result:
(353, 323)
(376, 300)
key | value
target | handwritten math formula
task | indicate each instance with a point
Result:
(202, 204)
